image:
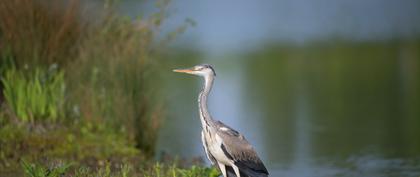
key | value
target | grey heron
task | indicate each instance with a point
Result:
(225, 147)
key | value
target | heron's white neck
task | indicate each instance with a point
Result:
(205, 116)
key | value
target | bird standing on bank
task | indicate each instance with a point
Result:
(225, 147)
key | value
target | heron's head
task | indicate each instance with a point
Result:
(199, 70)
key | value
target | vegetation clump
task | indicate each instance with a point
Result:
(76, 93)
(41, 96)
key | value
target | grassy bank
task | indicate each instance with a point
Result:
(78, 92)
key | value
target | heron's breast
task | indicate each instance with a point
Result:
(215, 147)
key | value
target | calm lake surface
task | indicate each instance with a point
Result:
(310, 111)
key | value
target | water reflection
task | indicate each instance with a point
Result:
(323, 110)
(336, 101)
(357, 165)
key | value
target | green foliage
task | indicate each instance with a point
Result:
(162, 170)
(199, 171)
(33, 170)
(114, 85)
(35, 96)
(6, 60)
(108, 65)
(81, 144)
(157, 170)
(107, 97)
(122, 171)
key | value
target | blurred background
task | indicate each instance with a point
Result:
(320, 88)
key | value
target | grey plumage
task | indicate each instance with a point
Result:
(238, 148)
(225, 147)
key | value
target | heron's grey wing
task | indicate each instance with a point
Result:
(236, 147)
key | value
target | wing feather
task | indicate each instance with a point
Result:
(236, 147)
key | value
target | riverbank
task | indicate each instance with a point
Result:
(76, 96)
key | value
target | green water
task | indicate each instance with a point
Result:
(330, 109)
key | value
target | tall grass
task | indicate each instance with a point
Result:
(110, 76)
(115, 80)
(41, 31)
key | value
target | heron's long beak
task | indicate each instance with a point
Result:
(188, 71)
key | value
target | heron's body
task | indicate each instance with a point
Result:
(225, 147)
